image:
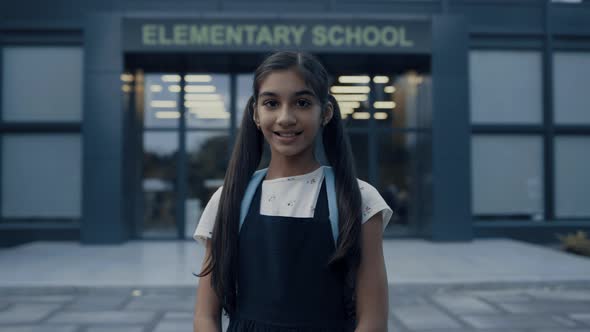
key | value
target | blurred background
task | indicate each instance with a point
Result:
(118, 118)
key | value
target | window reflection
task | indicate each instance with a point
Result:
(159, 184)
(404, 178)
(352, 94)
(207, 100)
(359, 146)
(161, 109)
(506, 177)
(409, 96)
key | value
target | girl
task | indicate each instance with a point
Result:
(296, 246)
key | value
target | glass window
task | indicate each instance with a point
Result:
(571, 77)
(572, 182)
(42, 84)
(505, 87)
(159, 184)
(359, 143)
(404, 175)
(207, 100)
(507, 176)
(244, 83)
(41, 176)
(161, 96)
(207, 157)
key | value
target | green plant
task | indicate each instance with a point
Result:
(577, 243)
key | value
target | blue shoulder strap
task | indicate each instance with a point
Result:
(249, 194)
(330, 189)
(332, 202)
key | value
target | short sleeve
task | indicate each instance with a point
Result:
(204, 229)
(373, 202)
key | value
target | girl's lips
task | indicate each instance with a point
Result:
(286, 139)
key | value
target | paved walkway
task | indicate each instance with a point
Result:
(484, 285)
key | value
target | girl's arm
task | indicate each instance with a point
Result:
(207, 316)
(372, 303)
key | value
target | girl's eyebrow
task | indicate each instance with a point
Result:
(296, 94)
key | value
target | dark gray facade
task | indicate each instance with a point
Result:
(109, 130)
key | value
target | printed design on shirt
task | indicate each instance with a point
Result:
(361, 187)
(311, 181)
(290, 179)
(291, 203)
(271, 198)
(366, 210)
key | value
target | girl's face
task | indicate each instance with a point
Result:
(289, 113)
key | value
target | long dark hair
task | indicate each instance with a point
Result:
(245, 159)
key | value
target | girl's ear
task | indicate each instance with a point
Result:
(328, 113)
(255, 116)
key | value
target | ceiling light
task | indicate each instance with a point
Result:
(163, 103)
(380, 79)
(199, 88)
(354, 79)
(203, 96)
(380, 115)
(170, 78)
(350, 89)
(167, 115)
(361, 115)
(197, 78)
(384, 104)
(389, 89)
(340, 98)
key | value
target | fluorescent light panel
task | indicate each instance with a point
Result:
(354, 79)
(203, 96)
(200, 88)
(171, 78)
(380, 79)
(167, 115)
(389, 89)
(380, 115)
(361, 115)
(163, 103)
(198, 78)
(384, 104)
(340, 98)
(350, 89)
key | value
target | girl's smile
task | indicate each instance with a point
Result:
(287, 136)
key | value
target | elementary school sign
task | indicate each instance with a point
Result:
(380, 36)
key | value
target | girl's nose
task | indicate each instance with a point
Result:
(286, 117)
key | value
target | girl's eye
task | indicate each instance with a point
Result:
(303, 103)
(270, 103)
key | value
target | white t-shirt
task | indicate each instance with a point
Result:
(294, 196)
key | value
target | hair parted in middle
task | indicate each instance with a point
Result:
(245, 160)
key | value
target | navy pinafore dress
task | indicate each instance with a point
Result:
(284, 281)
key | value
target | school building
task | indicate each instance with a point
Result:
(117, 118)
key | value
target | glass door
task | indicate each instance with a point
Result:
(186, 123)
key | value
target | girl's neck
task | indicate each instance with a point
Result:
(285, 168)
